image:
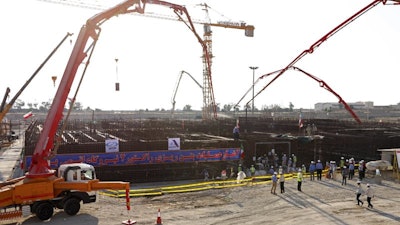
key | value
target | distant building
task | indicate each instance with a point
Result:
(328, 106)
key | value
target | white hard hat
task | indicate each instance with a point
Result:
(275, 173)
(344, 167)
(299, 170)
(367, 185)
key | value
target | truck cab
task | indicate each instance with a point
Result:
(77, 172)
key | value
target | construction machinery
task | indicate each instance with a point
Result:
(209, 110)
(321, 83)
(42, 189)
(177, 86)
(5, 108)
(324, 38)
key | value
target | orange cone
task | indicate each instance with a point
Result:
(158, 221)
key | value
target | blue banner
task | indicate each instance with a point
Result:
(144, 157)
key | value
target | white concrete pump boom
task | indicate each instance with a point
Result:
(177, 86)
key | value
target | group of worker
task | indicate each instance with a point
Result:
(347, 169)
(270, 162)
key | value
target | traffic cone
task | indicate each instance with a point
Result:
(158, 221)
(128, 222)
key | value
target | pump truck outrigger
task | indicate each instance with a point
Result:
(41, 188)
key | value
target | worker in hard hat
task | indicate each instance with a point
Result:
(274, 179)
(299, 179)
(345, 173)
(351, 169)
(240, 168)
(303, 169)
(252, 170)
(205, 174)
(236, 133)
(361, 169)
(311, 170)
(359, 192)
(370, 194)
(240, 177)
(319, 168)
(282, 182)
(271, 170)
(294, 160)
(341, 162)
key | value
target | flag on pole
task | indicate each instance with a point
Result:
(300, 121)
(29, 114)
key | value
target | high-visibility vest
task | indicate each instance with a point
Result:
(299, 177)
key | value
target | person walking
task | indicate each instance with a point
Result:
(370, 194)
(351, 170)
(299, 179)
(359, 192)
(319, 168)
(274, 179)
(282, 182)
(345, 173)
(311, 169)
(361, 169)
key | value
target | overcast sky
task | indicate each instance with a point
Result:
(360, 62)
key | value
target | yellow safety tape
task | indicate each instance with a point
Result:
(200, 186)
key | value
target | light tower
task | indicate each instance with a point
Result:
(252, 100)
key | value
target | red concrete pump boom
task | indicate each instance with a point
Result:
(91, 30)
(323, 39)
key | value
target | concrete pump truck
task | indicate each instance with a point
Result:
(44, 189)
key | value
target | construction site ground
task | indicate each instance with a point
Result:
(320, 202)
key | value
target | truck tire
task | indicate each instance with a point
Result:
(72, 206)
(44, 210)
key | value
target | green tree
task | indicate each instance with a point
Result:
(227, 107)
(18, 104)
(291, 106)
(187, 108)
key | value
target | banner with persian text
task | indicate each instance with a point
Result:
(144, 157)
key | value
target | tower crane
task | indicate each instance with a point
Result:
(209, 110)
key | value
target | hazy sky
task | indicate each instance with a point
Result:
(360, 62)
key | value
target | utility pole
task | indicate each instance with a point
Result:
(253, 68)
